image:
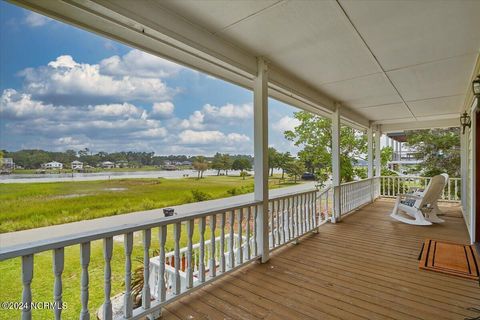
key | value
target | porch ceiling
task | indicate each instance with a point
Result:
(385, 61)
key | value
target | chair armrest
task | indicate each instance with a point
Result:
(410, 196)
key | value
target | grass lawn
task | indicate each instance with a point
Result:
(24, 206)
(33, 205)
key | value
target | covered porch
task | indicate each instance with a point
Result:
(335, 253)
(365, 267)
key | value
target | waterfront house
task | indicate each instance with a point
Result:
(77, 165)
(107, 165)
(52, 165)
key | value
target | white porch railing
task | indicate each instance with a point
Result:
(290, 217)
(355, 194)
(390, 186)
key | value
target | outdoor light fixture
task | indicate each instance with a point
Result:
(465, 121)
(476, 87)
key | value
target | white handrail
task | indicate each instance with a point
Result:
(184, 269)
(391, 186)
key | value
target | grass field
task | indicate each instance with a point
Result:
(33, 205)
(24, 206)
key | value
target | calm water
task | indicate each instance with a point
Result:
(29, 178)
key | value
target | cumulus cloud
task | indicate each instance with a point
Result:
(163, 109)
(34, 19)
(229, 111)
(65, 81)
(139, 64)
(285, 123)
(195, 121)
(14, 104)
(208, 137)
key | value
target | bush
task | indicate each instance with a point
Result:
(200, 195)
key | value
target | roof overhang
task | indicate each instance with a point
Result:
(398, 82)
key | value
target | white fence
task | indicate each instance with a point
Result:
(390, 186)
(199, 262)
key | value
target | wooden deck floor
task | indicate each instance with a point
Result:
(362, 268)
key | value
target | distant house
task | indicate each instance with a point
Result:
(6, 165)
(186, 163)
(169, 167)
(108, 165)
(121, 164)
(77, 165)
(52, 165)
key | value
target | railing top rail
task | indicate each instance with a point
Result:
(291, 194)
(81, 237)
(358, 181)
(416, 177)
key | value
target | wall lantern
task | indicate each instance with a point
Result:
(465, 121)
(476, 87)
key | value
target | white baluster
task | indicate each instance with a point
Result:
(107, 254)
(58, 264)
(449, 189)
(147, 235)
(162, 237)
(248, 236)
(231, 242)
(128, 302)
(201, 267)
(213, 262)
(255, 247)
(190, 227)
(84, 262)
(177, 229)
(239, 235)
(289, 218)
(27, 276)
(277, 221)
(456, 190)
(222, 242)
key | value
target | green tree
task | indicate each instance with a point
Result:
(295, 169)
(315, 137)
(439, 150)
(217, 163)
(273, 159)
(283, 160)
(241, 164)
(226, 162)
(200, 165)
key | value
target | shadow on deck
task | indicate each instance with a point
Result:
(365, 267)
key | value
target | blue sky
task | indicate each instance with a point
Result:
(65, 88)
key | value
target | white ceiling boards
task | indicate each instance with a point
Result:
(385, 61)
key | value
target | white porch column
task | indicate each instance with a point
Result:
(260, 134)
(370, 151)
(336, 178)
(378, 160)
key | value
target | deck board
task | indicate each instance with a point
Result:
(364, 267)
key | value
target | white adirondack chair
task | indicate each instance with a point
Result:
(421, 206)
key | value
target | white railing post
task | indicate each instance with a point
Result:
(336, 178)
(260, 117)
(128, 302)
(58, 265)
(107, 254)
(84, 262)
(27, 275)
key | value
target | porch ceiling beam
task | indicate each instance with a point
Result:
(152, 28)
(414, 125)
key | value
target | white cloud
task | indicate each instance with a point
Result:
(65, 80)
(208, 137)
(285, 123)
(163, 109)
(20, 105)
(34, 19)
(140, 64)
(124, 110)
(229, 111)
(195, 121)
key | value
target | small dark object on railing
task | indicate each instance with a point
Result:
(168, 212)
